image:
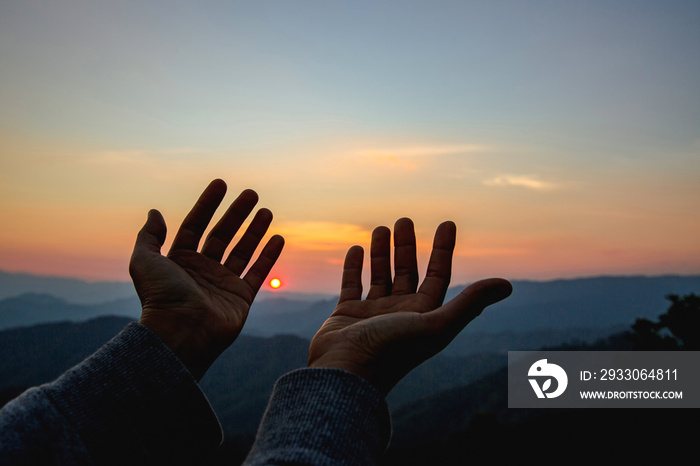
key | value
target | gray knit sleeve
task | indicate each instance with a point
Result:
(322, 417)
(132, 401)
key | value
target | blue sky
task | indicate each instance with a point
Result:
(558, 135)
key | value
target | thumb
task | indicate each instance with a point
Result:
(150, 238)
(453, 316)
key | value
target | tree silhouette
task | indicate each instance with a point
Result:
(677, 329)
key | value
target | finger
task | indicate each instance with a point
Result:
(196, 222)
(453, 316)
(351, 283)
(437, 278)
(262, 266)
(241, 253)
(380, 263)
(223, 232)
(405, 263)
(149, 240)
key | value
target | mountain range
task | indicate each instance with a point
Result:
(238, 384)
(536, 314)
(449, 410)
(452, 409)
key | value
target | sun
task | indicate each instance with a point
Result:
(275, 283)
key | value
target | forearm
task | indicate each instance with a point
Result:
(322, 417)
(131, 399)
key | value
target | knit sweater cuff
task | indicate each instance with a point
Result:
(322, 417)
(133, 398)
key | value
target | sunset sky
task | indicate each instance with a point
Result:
(563, 138)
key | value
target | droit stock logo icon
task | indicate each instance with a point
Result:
(543, 371)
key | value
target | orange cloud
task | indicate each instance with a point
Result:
(323, 236)
(411, 158)
(521, 181)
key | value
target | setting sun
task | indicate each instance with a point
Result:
(275, 283)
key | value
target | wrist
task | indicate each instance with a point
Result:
(330, 361)
(180, 340)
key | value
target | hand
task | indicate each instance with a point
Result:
(396, 328)
(192, 301)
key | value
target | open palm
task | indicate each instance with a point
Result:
(195, 303)
(398, 325)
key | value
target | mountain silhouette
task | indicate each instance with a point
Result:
(449, 410)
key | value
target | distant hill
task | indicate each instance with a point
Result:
(281, 318)
(77, 291)
(470, 342)
(581, 302)
(34, 355)
(32, 308)
(584, 303)
(536, 314)
(68, 289)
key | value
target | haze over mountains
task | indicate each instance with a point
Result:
(70, 289)
(455, 399)
(537, 313)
